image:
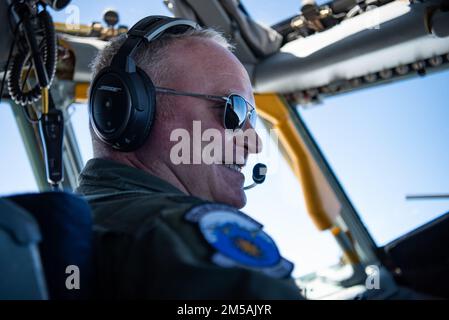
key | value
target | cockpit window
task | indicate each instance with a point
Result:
(15, 169)
(386, 143)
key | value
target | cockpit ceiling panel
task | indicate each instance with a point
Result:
(326, 57)
(85, 49)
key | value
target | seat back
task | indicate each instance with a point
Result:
(66, 247)
(21, 275)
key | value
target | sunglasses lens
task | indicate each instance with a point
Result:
(253, 118)
(235, 112)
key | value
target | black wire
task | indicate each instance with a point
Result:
(30, 63)
(11, 49)
(9, 15)
(18, 75)
(6, 67)
(25, 110)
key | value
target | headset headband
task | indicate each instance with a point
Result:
(146, 30)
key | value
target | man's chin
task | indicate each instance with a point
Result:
(237, 199)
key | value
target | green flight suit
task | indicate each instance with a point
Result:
(146, 249)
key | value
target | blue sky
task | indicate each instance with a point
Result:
(382, 143)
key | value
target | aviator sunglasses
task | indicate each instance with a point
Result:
(236, 109)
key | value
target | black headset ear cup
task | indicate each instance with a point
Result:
(110, 104)
(121, 107)
(150, 99)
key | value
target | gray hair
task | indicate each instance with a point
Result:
(150, 56)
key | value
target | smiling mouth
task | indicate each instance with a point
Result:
(234, 167)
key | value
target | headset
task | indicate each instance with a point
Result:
(122, 100)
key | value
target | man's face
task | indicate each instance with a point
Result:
(203, 66)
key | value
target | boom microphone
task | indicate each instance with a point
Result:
(259, 174)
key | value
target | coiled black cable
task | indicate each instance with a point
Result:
(49, 56)
(11, 49)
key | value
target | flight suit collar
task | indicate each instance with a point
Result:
(120, 177)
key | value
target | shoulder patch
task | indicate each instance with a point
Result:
(238, 240)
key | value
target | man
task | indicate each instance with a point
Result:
(170, 230)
